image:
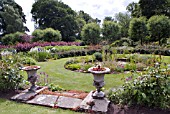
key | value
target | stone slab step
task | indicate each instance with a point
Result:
(45, 100)
(96, 105)
(68, 102)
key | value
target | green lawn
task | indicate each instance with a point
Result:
(75, 80)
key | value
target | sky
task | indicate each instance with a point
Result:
(95, 8)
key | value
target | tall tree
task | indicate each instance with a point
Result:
(138, 29)
(134, 9)
(123, 20)
(110, 31)
(154, 7)
(149, 8)
(91, 33)
(81, 22)
(12, 18)
(85, 16)
(57, 15)
(159, 28)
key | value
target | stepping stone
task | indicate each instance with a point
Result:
(24, 96)
(68, 102)
(97, 105)
(45, 100)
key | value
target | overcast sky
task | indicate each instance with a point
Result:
(96, 8)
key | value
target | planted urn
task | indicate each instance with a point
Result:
(32, 76)
(98, 74)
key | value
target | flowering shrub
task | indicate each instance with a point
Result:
(9, 74)
(150, 88)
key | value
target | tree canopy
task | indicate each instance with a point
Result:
(91, 33)
(110, 31)
(12, 18)
(159, 27)
(149, 8)
(57, 15)
(123, 20)
(138, 29)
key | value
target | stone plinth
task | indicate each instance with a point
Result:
(96, 105)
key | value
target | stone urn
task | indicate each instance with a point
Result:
(32, 76)
(98, 74)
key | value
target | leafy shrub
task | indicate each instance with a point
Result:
(51, 35)
(54, 87)
(91, 33)
(97, 56)
(12, 38)
(38, 35)
(9, 74)
(151, 88)
(39, 56)
(73, 66)
(27, 60)
(48, 34)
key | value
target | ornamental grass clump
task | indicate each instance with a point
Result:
(150, 88)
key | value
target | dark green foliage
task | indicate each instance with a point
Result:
(134, 9)
(98, 56)
(151, 88)
(12, 18)
(57, 15)
(138, 29)
(13, 38)
(150, 8)
(9, 74)
(123, 20)
(86, 17)
(91, 33)
(110, 31)
(159, 27)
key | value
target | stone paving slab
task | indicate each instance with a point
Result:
(45, 100)
(24, 96)
(68, 102)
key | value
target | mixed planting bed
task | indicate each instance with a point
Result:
(147, 77)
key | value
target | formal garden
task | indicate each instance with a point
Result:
(123, 62)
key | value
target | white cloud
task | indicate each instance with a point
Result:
(96, 8)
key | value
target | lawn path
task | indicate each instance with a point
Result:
(75, 80)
